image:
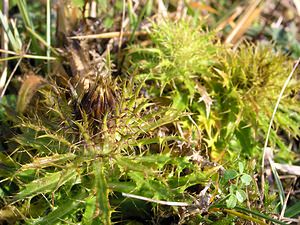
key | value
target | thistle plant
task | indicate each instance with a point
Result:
(230, 93)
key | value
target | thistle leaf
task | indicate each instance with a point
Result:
(48, 183)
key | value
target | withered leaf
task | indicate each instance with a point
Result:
(31, 84)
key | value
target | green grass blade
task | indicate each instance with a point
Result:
(254, 213)
(131, 14)
(16, 33)
(42, 41)
(40, 57)
(278, 182)
(261, 215)
(28, 23)
(15, 45)
(293, 210)
(139, 20)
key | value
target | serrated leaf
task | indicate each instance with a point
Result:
(180, 101)
(231, 201)
(43, 162)
(102, 200)
(126, 163)
(246, 179)
(90, 207)
(48, 183)
(64, 209)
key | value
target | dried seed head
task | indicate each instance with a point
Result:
(100, 100)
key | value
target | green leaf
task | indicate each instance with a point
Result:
(278, 182)
(1, 193)
(78, 3)
(126, 163)
(232, 188)
(64, 209)
(43, 162)
(90, 206)
(231, 201)
(246, 179)
(241, 195)
(122, 186)
(180, 101)
(230, 174)
(244, 135)
(293, 210)
(48, 183)
(241, 167)
(102, 193)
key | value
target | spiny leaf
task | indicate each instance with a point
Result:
(90, 207)
(62, 210)
(48, 183)
(102, 192)
(42, 162)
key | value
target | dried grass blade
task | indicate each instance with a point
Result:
(297, 4)
(48, 34)
(197, 5)
(9, 79)
(4, 45)
(252, 11)
(108, 35)
(286, 168)
(181, 204)
(30, 85)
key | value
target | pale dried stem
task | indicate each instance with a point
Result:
(4, 45)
